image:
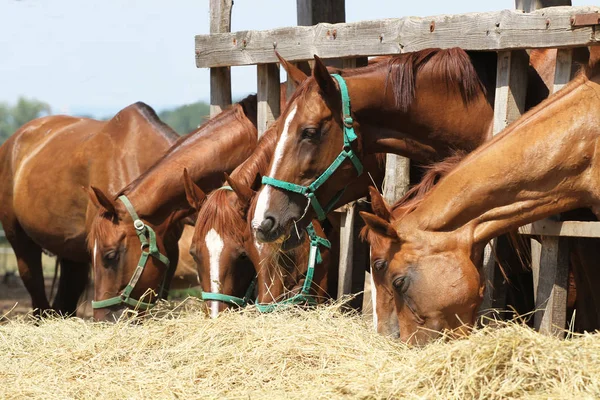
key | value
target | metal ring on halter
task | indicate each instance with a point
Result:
(138, 224)
(144, 245)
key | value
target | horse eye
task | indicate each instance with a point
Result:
(380, 264)
(400, 284)
(111, 257)
(310, 133)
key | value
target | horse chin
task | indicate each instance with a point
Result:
(293, 241)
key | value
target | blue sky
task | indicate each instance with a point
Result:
(97, 56)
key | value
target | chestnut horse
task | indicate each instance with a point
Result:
(150, 209)
(543, 164)
(417, 104)
(44, 167)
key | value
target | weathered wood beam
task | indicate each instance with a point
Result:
(220, 78)
(268, 92)
(532, 5)
(498, 30)
(548, 227)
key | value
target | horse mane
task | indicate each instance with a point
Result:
(153, 119)
(218, 213)
(259, 160)
(415, 195)
(453, 66)
(234, 112)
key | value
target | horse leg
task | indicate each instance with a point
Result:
(71, 285)
(29, 262)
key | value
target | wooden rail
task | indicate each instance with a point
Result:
(499, 31)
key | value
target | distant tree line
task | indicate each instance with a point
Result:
(183, 119)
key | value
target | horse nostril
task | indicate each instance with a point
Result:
(267, 224)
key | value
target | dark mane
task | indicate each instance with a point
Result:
(234, 112)
(150, 115)
(453, 65)
(416, 194)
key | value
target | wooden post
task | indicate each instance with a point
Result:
(268, 92)
(551, 285)
(347, 242)
(532, 5)
(312, 12)
(220, 78)
(509, 104)
(550, 261)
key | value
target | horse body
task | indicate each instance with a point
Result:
(45, 165)
(543, 164)
(159, 199)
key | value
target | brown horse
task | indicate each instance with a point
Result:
(158, 199)
(418, 104)
(44, 167)
(543, 164)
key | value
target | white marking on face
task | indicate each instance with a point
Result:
(214, 244)
(374, 301)
(95, 252)
(263, 198)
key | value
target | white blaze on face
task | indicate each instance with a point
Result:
(214, 244)
(374, 301)
(263, 198)
(95, 252)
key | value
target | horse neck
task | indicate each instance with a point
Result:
(258, 161)
(537, 167)
(216, 147)
(437, 119)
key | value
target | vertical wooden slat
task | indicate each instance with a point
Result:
(549, 264)
(268, 92)
(552, 284)
(532, 5)
(355, 62)
(311, 12)
(509, 104)
(397, 177)
(220, 78)
(347, 237)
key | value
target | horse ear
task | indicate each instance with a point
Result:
(243, 192)
(378, 204)
(257, 183)
(324, 79)
(194, 195)
(294, 73)
(100, 200)
(379, 226)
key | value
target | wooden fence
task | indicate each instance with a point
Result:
(508, 32)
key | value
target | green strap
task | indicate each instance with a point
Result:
(229, 299)
(346, 153)
(149, 249)
(314, 257)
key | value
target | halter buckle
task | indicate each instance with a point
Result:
(138, 224)
(348, 122)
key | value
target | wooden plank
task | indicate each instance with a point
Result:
(268, 92)
(562, 74)
(347, 237)
(498, 30)
(509, 104)
(220, 78)
(547, 227)
(551, 286)
(397, 177)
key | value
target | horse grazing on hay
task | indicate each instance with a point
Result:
(44, 167)
(543, 164)
(225, 247)
(149, 211)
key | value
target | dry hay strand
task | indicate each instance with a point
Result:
(296, 354)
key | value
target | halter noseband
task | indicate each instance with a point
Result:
(346, 153)
(149, 249)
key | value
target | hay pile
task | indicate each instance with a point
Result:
(318, 354)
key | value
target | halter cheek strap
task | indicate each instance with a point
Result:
(149, 248)
(346, 153)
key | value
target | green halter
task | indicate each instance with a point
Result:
(226, 298)
(314, 257)
(346, 153)
(148, 243)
